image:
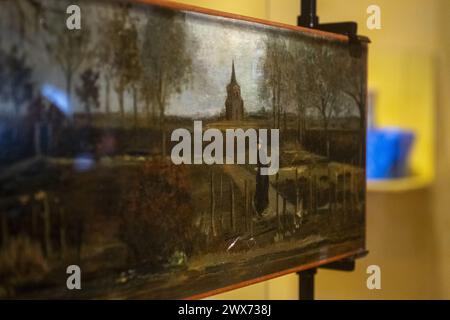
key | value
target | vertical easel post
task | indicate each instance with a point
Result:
(306, 284)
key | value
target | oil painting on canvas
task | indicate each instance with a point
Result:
(88, 175)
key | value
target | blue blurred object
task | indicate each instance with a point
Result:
(84, 162)
(58, 97)
(387, 152)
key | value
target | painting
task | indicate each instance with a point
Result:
(168, 151)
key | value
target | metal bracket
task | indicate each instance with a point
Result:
(309, 19)
(306, 277)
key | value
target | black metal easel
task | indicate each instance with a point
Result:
(309, 19)
(306, 277)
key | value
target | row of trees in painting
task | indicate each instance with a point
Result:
(150, 64)
(146, 63)
(317, 80)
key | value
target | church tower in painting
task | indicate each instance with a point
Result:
(234, 105)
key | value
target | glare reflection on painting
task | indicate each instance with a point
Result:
(86, 176)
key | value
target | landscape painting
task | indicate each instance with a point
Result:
(92, 96)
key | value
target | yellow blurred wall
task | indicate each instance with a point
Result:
(441, 189)
(407, 233)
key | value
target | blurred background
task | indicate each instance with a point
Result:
(408, 218)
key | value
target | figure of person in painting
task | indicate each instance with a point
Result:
(261, 199)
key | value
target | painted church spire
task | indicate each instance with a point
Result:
(233, 74)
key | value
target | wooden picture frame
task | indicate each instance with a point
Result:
(93, 109)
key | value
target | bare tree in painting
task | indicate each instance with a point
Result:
(16, 79)
(147, 84)
(126, 60)
(88, 92)
(165, 57)
(24, 16)
(105, 53)
(69, 48)
(148, 95)
(301, 87)
(134, 68)
(277, 73)
(115, 35)
(325, 84)
(353, 84)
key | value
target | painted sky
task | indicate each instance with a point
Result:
(219, 41)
